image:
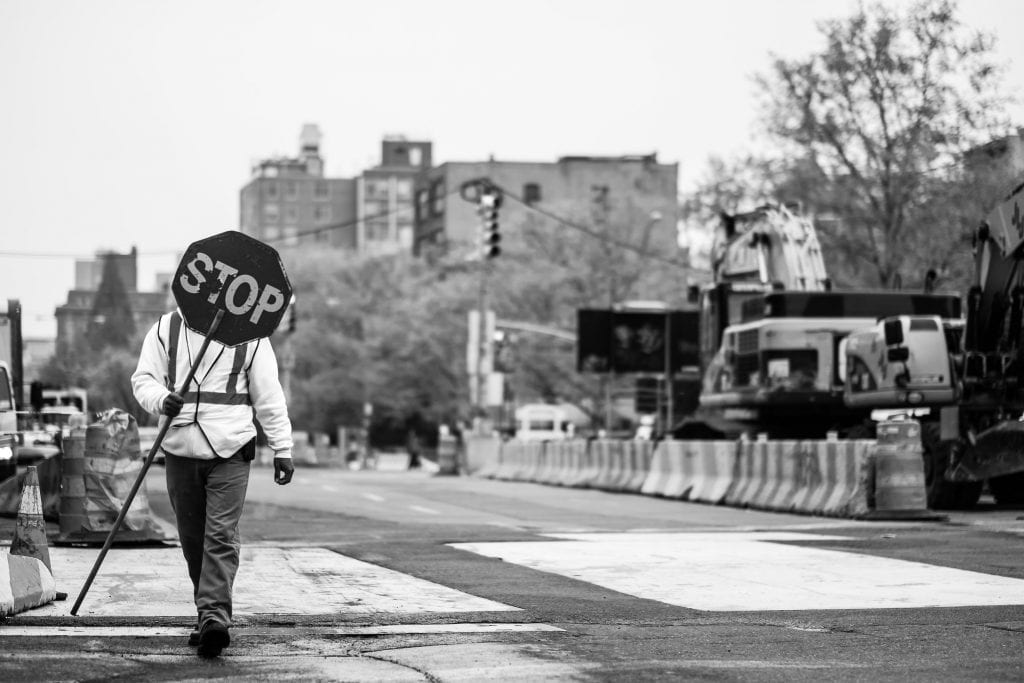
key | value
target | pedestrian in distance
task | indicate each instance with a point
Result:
(208, 449)
(414, 448)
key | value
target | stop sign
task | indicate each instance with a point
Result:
(237, 274)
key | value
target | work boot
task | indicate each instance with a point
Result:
(193, 638)
(212, 639)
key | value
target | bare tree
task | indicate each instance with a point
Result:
(875, 121)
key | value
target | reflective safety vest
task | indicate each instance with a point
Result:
(217, 400)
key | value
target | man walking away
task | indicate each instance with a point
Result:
(208, 449)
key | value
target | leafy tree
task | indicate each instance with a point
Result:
(392, 330)
(874, 126)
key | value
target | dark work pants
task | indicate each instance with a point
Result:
(207, 498)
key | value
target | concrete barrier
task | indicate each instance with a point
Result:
(618, 465)
(827, 477)
(482, 455)
(833, 478)
(509, 453)
(638, 466)
(606, 458)
(549, 463)
(779, 484)
(519, 460)
(692, 470)
(533, 461)
(25, 582)
(574, 472)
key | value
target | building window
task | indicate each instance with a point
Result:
(271, 233)
(271, 213)
(375, 209)
(291, 189)
(531, 193)
(321, 190)
(291, 215)
(404, 189)
(376, 231)
(291, 235)
(415, 156)
(437, 198)
(272, 189)
(321, 214)
(377, 188)
(422, 204)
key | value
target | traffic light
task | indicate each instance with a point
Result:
(490, 235)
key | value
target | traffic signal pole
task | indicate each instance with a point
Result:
(482, 303)
(488, 200)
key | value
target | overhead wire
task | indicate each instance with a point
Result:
(589, 231)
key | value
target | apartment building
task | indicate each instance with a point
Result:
(636, 192)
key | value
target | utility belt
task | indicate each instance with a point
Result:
(248, 451)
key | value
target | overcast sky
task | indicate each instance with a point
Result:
(135, 122)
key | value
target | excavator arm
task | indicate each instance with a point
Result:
(991, 364)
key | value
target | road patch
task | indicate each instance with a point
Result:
(271, 580)
(754, 571)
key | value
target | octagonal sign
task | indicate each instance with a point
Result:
(237, 274)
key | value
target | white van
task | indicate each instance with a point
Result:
(540, 422)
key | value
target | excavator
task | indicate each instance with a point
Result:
(771, 330)
(784, 354)
(966, 373)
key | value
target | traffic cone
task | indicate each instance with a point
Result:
(30, 531)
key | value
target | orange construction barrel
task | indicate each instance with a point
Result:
(899, 470)
(447, 455)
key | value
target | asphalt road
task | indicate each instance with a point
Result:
(398, 575)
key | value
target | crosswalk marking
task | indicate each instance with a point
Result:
(374, 497)
(16, 631)
(329, 488)
(752, 572)
(424, 510)
(291, 580)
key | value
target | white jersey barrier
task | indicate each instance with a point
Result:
(818, 477)
(692, 470)
(829, 477)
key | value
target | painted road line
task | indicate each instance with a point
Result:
(374, 497)
(426, 511)
(752, 572)
(174, 632)
(283, 580)
(329, 488)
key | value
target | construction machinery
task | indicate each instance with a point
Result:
(771, 328)
(967, 375)
(784, 354)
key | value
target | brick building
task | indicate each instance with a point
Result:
(289, 201)
(631, 190)
(385, 197)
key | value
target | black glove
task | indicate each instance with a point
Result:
(283, 470)
(173, 404)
